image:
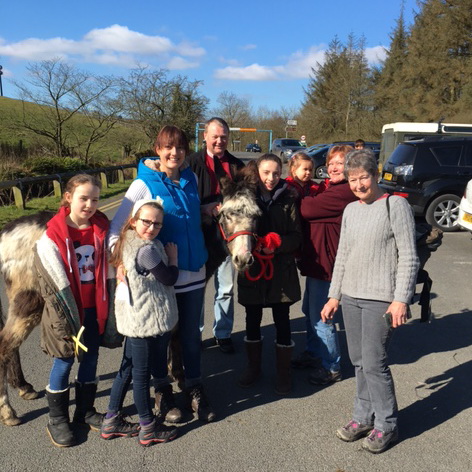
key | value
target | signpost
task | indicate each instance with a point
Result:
(290, 126)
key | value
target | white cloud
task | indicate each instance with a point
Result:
(179, 63)
(297, 66)
(248, 47)
(115, 45)
(252, 72)
(376, 54)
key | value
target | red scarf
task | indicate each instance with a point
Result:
(58, 231)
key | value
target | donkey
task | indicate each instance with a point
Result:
(233, 234)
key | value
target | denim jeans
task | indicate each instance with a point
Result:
(190, 306)
(368, 337)
(61, 366)
(141, 357)
(321, 338)
(224, 299)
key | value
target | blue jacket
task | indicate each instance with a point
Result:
(182, 223)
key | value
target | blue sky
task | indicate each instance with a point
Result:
(260, 50)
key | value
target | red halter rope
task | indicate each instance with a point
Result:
(271, 241)
(229, 238)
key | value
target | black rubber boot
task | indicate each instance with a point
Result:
(253, 369)
(85, 412)
(58, 427)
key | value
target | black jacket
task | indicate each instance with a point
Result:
(198, 165)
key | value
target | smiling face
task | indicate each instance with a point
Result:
(216, 137)
(171, 158)
(269, 174)
(83, 203)
(336, 168)
(147, 222)
(364, 185)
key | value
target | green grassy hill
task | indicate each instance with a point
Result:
(110, 149)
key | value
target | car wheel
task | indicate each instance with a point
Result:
(443, 212)
(321, 172)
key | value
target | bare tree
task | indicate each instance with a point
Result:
(236, 111)
(152, 100)
(61, 92)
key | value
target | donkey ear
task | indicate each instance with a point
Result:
(225, 182)
(249, 175)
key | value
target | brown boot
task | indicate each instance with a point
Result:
(283, 384)
(253, 369)
(165, 405)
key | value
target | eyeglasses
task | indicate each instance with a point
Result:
(149, 223)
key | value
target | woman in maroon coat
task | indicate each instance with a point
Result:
(321, 215)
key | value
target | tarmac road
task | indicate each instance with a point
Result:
(259, 431)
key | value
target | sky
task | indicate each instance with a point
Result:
(260, 50)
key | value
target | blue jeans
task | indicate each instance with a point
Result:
(61, 366)
(368, 337)
(190, 306)
(321, 338)
(141, 357)
(224, 300)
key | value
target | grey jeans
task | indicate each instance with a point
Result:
(367, 338)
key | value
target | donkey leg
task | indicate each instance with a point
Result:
(23, 315)
(17, 379)
(175, 363)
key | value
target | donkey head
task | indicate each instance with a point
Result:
(238, 216)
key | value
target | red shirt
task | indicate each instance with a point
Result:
(85, 251)
(210, 163)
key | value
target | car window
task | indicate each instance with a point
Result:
(447, 156)
(290, 142)
(403, 154)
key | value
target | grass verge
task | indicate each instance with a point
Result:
(9, 213)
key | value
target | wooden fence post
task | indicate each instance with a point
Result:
(103, 178)
(19, 199)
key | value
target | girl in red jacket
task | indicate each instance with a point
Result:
(72, 257)
(300, 170)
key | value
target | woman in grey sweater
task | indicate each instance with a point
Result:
(374, 275)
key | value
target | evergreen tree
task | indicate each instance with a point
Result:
(338, 103)
(437, 68)
(389, 78)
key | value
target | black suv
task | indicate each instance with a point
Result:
(432, 174)
(319, 156)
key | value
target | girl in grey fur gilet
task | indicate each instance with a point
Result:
(146, 312)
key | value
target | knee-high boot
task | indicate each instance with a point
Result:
(253, 369)
(85, 412)
(283, 354)
(58, 426)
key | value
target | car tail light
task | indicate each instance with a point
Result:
(401, 194)
(403, 169)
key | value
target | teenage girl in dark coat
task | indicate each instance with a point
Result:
(279, 215)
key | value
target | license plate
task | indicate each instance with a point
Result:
(467, 217)
(388, 176)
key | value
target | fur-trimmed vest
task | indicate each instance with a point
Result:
(152, 307)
